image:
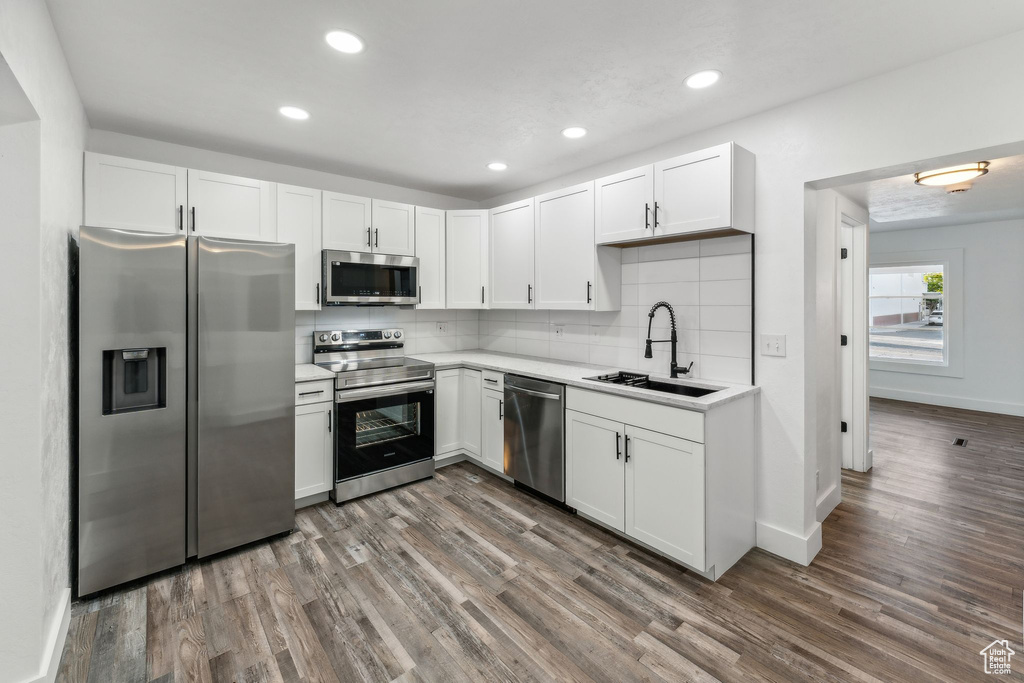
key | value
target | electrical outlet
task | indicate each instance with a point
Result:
(773, 345)
(442, 328)
(560, 332)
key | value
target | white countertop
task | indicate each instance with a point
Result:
(575, 374)
(307, 372)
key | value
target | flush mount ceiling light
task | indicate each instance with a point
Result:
(703, 79)
(497, 165)
(294, 113)
(574, 132)
(345, 41)
(952, 175)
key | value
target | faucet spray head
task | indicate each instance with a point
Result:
(648, 353)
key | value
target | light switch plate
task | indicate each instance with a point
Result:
(773, 345)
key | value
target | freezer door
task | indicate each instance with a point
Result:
(245, 380)
(131, 405)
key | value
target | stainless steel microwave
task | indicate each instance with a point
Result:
(352, 278)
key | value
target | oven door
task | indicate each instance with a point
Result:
(352, 277)
(382, 428)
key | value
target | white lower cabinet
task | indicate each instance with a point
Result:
(314, 463)
(447, 412)
(492, 429)
(688, 493)
(470, 426)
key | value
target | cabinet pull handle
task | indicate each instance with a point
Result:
(501, 409)
(627, 447)
(529, 294)
(481, 294)
(376, 240)
(618, 445)
(588, 291)
(329, 423)
(655, 214)
(181, 216)
(647, 216)
(368, 243)
(491, 380)
(193, 212)
(318, 294)
(310, 393)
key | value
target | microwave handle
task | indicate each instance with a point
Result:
(349, 395)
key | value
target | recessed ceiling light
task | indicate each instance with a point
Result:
(952, 175)
(574, 132)
(294, 113)
(497, 165)
(703, 79)
(345, 41)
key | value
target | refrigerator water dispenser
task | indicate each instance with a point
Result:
(134, 379)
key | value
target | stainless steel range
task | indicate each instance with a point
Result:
(384, 410)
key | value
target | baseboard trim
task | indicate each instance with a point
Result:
(984, 406)
(314, 499)
(448, 459)
(55, 642)
(828, 502)
(787, 545)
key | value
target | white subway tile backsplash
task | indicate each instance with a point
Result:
(631, 255)
(574, 352)
(725, 318)
(530, 316)
(532, 347)
(731, 344)
(727, 267)
(675, 270)
(726, 369)
(538, 330)
(736, 244)
(666, 252)
(675, 293)
(725, 293)
(630, 273)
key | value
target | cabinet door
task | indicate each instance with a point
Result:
(492, 416)
(447, 411)
(594, 467)
(665, 494)
(470, 399)
(511, 257)
(624, 206)
(394, 230)
(430, 251)
(134, 195)
(466, 262)
(347, 222)
(564, 246)
(693, 192)
(314, 463)
(230, 206)
(298, 223)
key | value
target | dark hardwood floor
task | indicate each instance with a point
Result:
(463, 577)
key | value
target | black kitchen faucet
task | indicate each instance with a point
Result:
(674, 369)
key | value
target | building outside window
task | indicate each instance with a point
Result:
(906, 313)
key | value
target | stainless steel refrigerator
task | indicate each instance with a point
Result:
(185, 390)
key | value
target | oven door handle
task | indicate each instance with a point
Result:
(384, 382)
(349, 395)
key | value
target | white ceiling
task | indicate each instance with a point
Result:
(898, 204)
(446, 86)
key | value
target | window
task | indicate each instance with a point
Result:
(906, 313)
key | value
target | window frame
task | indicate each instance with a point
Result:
(952, 262)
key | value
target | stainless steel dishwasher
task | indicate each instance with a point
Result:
(534, 435)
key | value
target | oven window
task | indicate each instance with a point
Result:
(381, 425)
(366, 279)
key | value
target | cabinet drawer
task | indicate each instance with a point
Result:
(494, 380)
(314, 392)
(685, 424)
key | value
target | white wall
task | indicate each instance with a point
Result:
(707, 282)
(993, 319)
(868, 125)
(117, 144)
(420, 327)
(35, 614)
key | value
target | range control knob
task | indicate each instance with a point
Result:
(387, 334)
(398, 334)
(324, 337)
(336, 337)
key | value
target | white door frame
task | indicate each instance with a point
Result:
(852, 321)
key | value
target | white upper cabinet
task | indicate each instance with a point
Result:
(466, 258)
(571, 273)
(430, 250)
(230, 206)
(394, 230)
(624, 206)
(347, 224)
(298, 223)
(712, 189)
(134, 195)
(512, 255)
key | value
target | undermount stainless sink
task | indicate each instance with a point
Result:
(634, 379)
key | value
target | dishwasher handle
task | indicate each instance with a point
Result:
(531, 392)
